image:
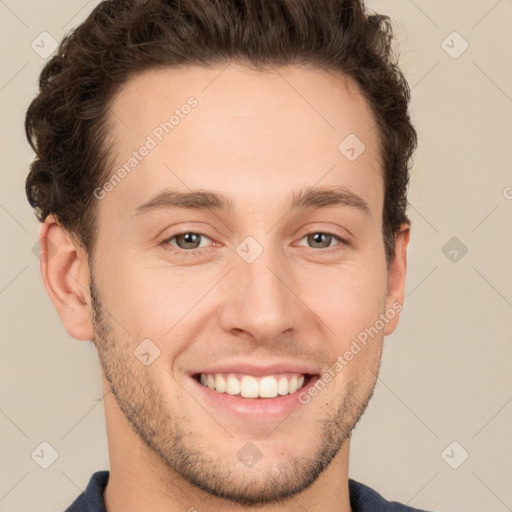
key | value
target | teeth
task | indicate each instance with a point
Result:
(282, 386)
(292, 384)
(220, 383)
(248, 386)
(233, 385)
(268, 387)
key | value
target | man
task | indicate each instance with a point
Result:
(222, 187)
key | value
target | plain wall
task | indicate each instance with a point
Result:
(446, 372)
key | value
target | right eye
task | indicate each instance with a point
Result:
(186, 243)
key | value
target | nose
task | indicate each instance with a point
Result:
(260, 304)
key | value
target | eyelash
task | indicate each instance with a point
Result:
(197, 252)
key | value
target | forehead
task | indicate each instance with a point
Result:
(252, 135)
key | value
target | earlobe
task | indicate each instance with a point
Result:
(65, 274)
(396, 279)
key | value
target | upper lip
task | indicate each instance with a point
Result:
(258, 369)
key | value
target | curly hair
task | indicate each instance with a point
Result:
(67, 122)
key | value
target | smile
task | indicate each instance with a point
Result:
(249, 386)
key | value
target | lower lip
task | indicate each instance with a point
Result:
(254, 407)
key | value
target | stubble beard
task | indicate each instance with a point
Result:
(152, 420)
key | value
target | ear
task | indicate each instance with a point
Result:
(65, 273)
(396, 279)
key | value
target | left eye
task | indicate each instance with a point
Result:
(319, 237)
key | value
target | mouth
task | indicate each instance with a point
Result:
(254, 387)
(253, 390)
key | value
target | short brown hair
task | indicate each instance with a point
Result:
(66, 124)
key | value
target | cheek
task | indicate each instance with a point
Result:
(158, 304)
(134, 301)
(348, 299)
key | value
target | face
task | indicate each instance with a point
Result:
(220, 317)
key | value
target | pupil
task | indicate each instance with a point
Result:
(189, 238)
(317, 237)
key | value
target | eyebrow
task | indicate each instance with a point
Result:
(311, 197)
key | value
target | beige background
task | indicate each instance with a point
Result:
(446, 372)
